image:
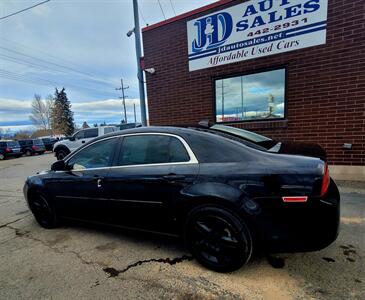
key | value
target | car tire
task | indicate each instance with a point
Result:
(43, 212)
(28, 153)
(2, 156)
(61, 154)
(217, 238)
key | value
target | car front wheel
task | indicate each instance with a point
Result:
(2, 156)
(42, 211)
(218, 239)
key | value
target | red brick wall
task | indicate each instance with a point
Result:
(325, 88)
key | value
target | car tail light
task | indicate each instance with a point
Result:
(326, 180)
(295, 199)
(34, 147)
(7, 150)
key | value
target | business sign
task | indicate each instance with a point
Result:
(255, 29)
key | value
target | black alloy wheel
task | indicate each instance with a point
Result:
(218, 239)
(43, 213)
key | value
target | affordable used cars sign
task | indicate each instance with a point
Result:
(254, 29)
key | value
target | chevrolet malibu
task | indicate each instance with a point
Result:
(221, 195)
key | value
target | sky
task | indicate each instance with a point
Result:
(77, 44)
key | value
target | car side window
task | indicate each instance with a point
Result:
(177, 151)
(98, 155)
(91, 133)
(108, 130)
(151, 149)
(80, 135)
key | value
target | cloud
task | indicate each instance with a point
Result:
(15, 112)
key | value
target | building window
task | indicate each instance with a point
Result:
(258, 96)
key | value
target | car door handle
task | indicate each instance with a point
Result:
(83, 142)
(173, 177)
(99, 181)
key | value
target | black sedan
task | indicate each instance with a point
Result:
(222, 196)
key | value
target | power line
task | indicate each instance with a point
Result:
(41, 81)
(173, 8)
(19, 45)
(57, 65)
(140, 12)
(163, 13)
(34, 65)
(19, 11)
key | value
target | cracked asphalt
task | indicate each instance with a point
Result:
(79, 261)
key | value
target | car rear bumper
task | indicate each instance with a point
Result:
(300, 227)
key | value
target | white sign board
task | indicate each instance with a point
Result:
(255, 29)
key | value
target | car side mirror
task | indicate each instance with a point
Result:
(58, 166)
(72, 138)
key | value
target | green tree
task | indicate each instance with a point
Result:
(62, 116)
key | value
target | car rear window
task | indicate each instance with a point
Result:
(152, 149)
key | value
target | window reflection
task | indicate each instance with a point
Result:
(251, 97)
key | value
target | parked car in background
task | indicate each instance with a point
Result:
(32, 146)
(296, 148)
(221, 195)
(49, 143)
(9, 149)
(70, 144)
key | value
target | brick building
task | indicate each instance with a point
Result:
(308, 86)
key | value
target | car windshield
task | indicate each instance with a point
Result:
(13, 144)
(248, 135)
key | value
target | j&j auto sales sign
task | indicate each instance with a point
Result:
(254, 29)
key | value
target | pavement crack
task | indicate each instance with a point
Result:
(12, 222)
(114, 272)
(26, 234)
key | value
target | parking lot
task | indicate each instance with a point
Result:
(79, 261)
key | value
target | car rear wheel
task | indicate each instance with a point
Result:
(218, 239)
(2, 156)
(42, 211)
(28, 153)
(61, 154)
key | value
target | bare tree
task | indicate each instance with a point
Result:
(41, 112)
(49, 103)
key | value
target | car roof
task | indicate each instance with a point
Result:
(152, 129)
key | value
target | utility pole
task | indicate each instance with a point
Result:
(223, 93)
(135, 116)
(123, 88)
(140, 71)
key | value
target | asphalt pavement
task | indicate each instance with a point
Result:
(84, 262)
